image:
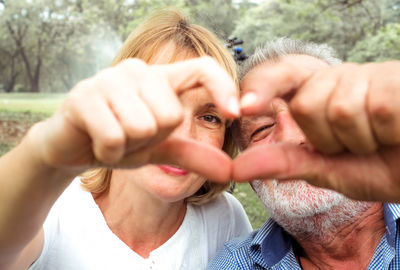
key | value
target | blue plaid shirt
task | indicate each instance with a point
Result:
(270, 247)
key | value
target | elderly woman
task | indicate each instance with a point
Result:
(153, 125)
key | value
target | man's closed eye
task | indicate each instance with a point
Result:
(261, 132)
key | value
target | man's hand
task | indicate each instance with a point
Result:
(347, 107)
(349, 110)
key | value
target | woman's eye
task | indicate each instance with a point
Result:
(258, 131)
(211, 119)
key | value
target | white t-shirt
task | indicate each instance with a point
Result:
(78, 238)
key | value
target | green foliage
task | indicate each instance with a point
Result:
(217, 15)
(5, 147)
(340, 24)
(251, 204)
(384, 45)
(50, 45)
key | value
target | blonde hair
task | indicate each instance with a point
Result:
(145, 41)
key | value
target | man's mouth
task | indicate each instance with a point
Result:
(172, 170)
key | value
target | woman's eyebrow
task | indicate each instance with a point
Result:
(209, 106)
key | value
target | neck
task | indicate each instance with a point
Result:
(349, 245)
(140, 220)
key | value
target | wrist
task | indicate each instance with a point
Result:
(35, 146)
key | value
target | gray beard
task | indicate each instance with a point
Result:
(307, 212)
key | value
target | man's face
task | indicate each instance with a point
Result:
(283, 199)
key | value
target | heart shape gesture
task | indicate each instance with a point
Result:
(363, 167)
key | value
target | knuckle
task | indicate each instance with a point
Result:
(342, 114)
(84, 84)
(81, 88)
(172, 119)
(81, 91)
(110, 142)
(381, 112)
(103, 80)
(109, 149)
(146, 131)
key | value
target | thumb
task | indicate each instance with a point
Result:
(194, 156)
(361, 177)
(281, 161)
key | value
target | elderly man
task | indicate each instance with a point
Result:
(349, 110)
(309, 228)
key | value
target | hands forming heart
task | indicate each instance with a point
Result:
(348, 114)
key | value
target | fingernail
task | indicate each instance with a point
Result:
(233, 106)
(248, 100)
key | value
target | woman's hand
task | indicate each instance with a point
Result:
(119, 117)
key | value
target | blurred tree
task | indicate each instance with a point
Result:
(339, 23)
(35, 30)
(219, 16)
(9, 70)
(49, 45)
(383, 46)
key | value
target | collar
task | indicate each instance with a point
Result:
(273, 243)
(391, 214)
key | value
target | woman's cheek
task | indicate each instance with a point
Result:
(214, 138)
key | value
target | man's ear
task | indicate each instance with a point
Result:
(236, 135)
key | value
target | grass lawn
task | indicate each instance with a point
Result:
(19, 111)
(252, 205)
(41, 103)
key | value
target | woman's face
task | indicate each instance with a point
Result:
(202, 121)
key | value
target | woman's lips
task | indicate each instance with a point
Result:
(172, 170)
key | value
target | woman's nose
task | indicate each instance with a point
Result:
(186, 128)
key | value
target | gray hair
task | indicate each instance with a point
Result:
(275, 49)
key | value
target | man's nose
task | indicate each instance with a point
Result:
(286, 129)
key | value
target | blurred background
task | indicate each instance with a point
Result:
(47, 46)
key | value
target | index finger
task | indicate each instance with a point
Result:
(269, 80)
(206, 72)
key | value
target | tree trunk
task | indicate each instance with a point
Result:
(33, 74)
